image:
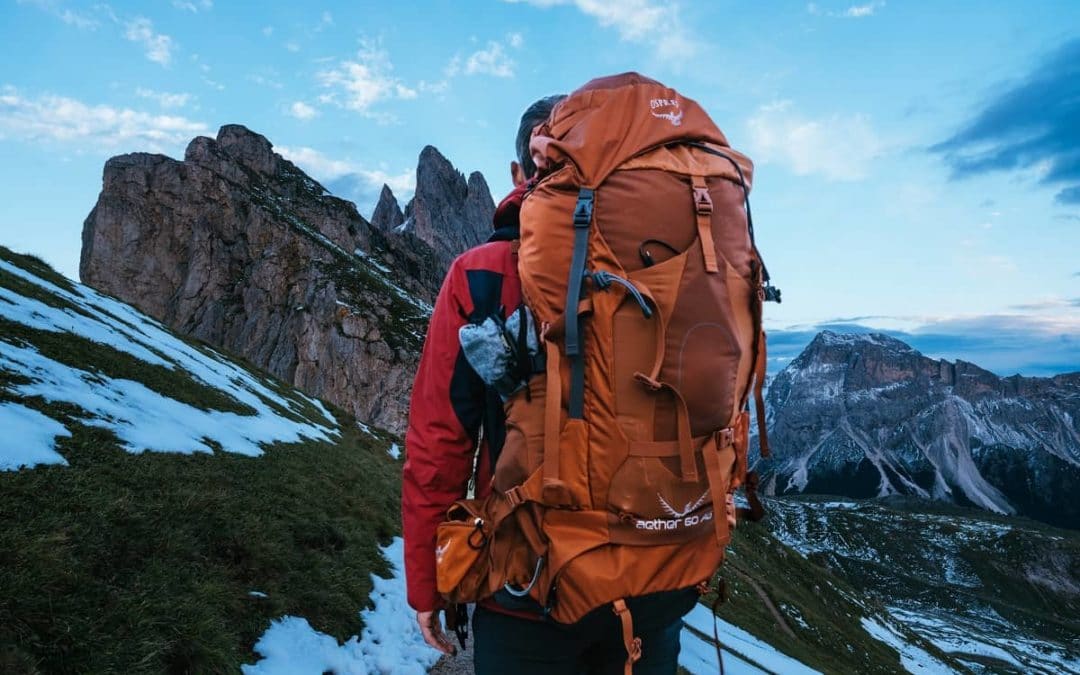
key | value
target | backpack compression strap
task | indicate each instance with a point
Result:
(582, 219)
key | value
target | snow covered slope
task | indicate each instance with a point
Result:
(163, 503)
(145, 415)
(996, 594)
(868, 416)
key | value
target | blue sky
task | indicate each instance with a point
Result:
(918, 163)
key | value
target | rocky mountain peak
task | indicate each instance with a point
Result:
(387, 215)
(238, 247)
(867, 415)
(447, 211)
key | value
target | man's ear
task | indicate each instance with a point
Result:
(517, 175)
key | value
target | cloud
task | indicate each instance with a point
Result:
(647, 22)
(302, 111)
(1030, 125)
(1002, 343)
(68, 16)
(163, 98)
(192, 6)
(837, 147)
(59, 119)
(364, 82)
(490, 61)
(159, 47)
(347, 179)
(267, 31)
(292, 46)
(852, 12)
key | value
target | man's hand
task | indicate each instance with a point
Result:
(431, 627)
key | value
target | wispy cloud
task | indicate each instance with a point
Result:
(852, 12)
(163, 98)
(1030, 125)
(302, 111)
(69, 16)
(159, 47)
(492, 60)
(360, 83)
(349, 179)
(647, 22)
(839, 147)
(58, 119)
(1034, 345)
(193, 6)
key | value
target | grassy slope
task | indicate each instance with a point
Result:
(830, 636)
(144, 563)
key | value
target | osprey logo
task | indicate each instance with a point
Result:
(678, 519)
(689, 508)
(666, 109)
(441, 550)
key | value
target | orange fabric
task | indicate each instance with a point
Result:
(633, 644)
(703, 209)
(759, 400)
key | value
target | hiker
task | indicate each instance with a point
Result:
(561, 585)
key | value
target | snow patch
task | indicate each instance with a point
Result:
(394, 451)
(913, 659)
(390, 643)
(29, 437)
(748, 652)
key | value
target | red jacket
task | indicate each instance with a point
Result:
(450, 403)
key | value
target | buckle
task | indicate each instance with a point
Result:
(514, 497)
(725, 437)
(702, 200)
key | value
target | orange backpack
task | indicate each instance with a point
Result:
(620, 462)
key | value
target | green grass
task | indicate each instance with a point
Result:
(144, 563)
(833, 639)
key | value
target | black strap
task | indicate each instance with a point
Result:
(582, 219)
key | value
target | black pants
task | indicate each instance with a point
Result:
(508, 645)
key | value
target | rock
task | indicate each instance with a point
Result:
(239, 248)
(387, 215)
(867, 416)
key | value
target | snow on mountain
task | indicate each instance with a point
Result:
(865, 415)
(142, 418)
(996, 594)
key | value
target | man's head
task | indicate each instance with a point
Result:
(524, 168)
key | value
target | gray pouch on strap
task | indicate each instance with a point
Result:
(503, 354)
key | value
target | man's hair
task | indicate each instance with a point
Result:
(533, 115)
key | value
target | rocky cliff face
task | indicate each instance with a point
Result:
(236, 246)
(867, 415)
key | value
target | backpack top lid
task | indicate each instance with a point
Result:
(611, 119)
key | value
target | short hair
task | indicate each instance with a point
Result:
(533, 115)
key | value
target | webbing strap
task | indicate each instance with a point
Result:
(632, 644)
(582, 219)
(552, 414)
(759, 400)
(703, 207)
(685, 439)
(717, 490)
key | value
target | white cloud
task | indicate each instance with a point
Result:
(302, 111)
(515, 40)
(657, 24)
(365, 181)
(852, 12)
(292, 46)
(164, 98)
(68, 16)
(159, 47)
(60, 119)
(860, 11)
(268, 31)
(490, 61)
(192, 6)
(362, 83)
(837, 147)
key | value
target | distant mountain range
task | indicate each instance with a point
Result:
(866, 415)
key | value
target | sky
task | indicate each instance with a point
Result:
(917, 163)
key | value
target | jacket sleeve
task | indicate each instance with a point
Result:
(445, 414)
